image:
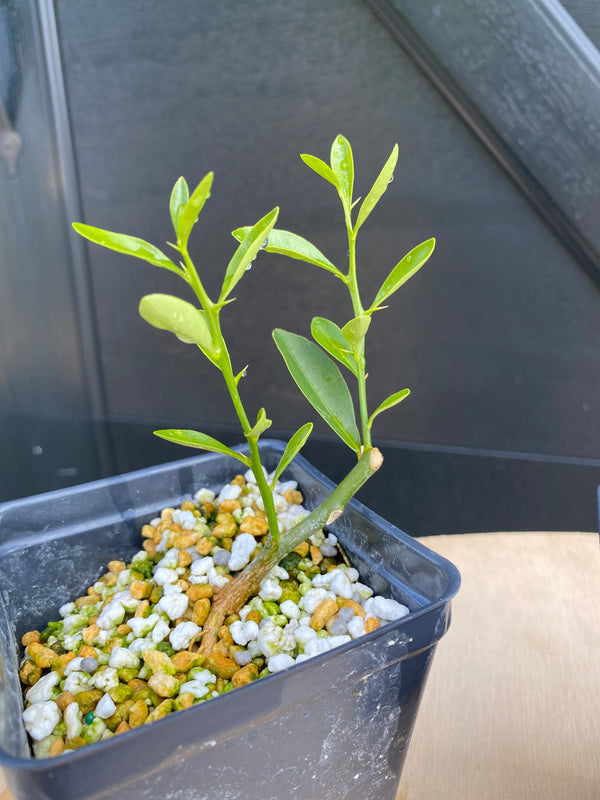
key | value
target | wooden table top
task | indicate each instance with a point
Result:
(511, 709)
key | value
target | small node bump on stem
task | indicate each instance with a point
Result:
(334, 515)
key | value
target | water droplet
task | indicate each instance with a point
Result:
(37, 450)
(391, 179)
(249, 266)
(340, 140)
(244, 373)
(409, 258)
(344, 164)
(264, 244)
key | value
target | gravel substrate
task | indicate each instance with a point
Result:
(125, 654)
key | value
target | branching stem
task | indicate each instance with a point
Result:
(232, 597)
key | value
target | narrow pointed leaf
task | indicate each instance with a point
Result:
(405, 269)
(178, 316)
(389, 402)
(179, 198)
(290, 244)
(129, 245)
(201, 441)
(262, 424)
(321, 168)
(378, 188)
(293, 447)
(330, 337)
(188, 216)
(342, 165)
(247, 251)
(321, 382)
(355, 330)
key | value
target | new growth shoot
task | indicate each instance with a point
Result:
(312, 364)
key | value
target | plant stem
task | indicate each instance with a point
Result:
(224, 364)
(358, 311)
(232, 597)
(255, 462)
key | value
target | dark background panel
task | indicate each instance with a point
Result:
(428, 490)
(498, 337)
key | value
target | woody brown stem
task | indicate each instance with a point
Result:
(230, 598)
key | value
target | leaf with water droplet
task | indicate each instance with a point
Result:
(247, 251)
(172, 314)
(342, 165)
(290, 244)
(383, 180)
(128, 245)
(404, 269)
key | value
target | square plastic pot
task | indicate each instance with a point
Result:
(336, 726)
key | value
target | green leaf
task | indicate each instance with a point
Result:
(342, 165)
(129, 245)
(293, 447)
(180, 317)
(179, 198)
(392, 400)
(247, 252)
(385, 177)
(290, 244)
(355, 330)
(405, 269)
(262, 424)
(200, 441)
(330, 337)
(189, 215)
(321, 168)
(321, 382)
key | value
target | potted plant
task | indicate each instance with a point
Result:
(322, 722)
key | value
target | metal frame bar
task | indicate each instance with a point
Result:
(543, 132)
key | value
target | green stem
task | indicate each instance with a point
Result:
(367, 465)
(191, 275)
(224, 364)
(358, 311)
(255, 462)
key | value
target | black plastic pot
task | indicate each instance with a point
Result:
(336, 726)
